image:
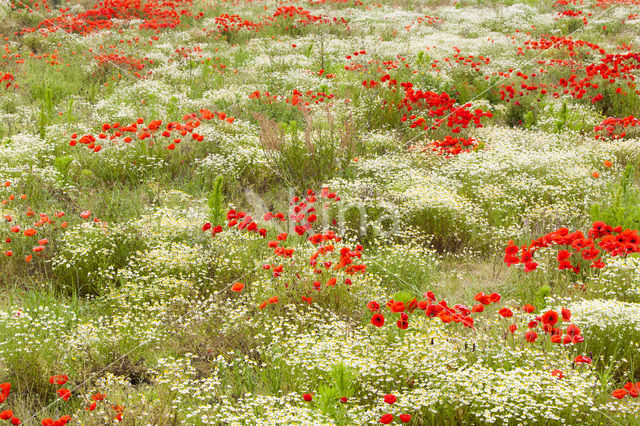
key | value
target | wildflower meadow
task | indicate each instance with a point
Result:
(319, 212)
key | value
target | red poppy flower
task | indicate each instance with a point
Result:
(405, 418)
(6, 415)
(550, 318)
(377, 320)
(505, 313)
(445, 317)
(397, 307)
(528, 308)
(511, 249)
(237, 287)
(468, 322)
(5, 388)
(307, 397)
(581, 359)
(530, 336)
(386, 418)
(64, 394)
(390, 398)
(573, 330)
(566, 314)
(58, 380)
(633, 389)
(619, 393)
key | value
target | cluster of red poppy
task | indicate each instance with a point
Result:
(457, 313)
(62, 421)
(614, 127)
(30, 5)
(548, 321)
(355, 2)
(573, 14)
(5, 389)
(604, 4)
(449, 146)
(61, 380)
(387, 418)
(485, 300)
(356, 53)
(457, 117)
(6, 77)
(384, 419)
(322, 73)
(356, 56)
(345, 262)
(462, 314)
(214, 229)
(43, 224)
(155, 14)
(226, 23)
(369, 84)
(609, 68)
(302, 15)
(303, 214)
(124, 61)
(601, 238)
(188, 51)
(567, 2)
(631, 389)
(293, 17)
(572, 46)
(95, 398)
(8, 415)
(581, 359)
(347, 257)
(173, 130)
(429, 20)
(240, 220)
(298, 16)
(302, 217)
(470, 61)
(297, 99)
(378, 66)
(65, 394)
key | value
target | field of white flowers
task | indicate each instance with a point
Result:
(238, 212)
